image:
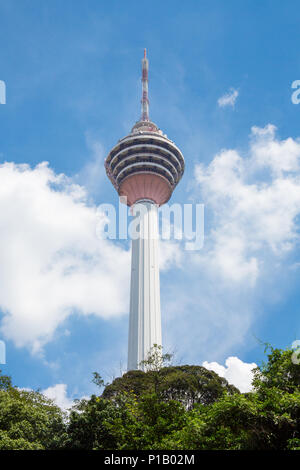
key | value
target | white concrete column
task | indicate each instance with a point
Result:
(145, 316)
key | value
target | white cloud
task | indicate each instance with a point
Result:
(255, 202)
(51, 262)
(58, 393)
(279, 157)
(236, 372)
(229, 98)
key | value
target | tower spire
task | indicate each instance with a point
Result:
(145, 100)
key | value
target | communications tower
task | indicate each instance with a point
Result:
(145, 166)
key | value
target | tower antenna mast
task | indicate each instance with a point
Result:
(145, 99)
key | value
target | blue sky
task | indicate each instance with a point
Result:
(72, 73)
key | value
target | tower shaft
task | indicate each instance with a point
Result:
(145, 315)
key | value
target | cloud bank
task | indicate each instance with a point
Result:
(255, 203)
(58, 393)
(236, 372)
(51, 262)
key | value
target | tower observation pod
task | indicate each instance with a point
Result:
(144, 167)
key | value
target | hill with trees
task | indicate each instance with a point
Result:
(167, 407)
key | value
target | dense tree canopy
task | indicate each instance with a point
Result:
(174, 407)
(186, 384)
(28, 420)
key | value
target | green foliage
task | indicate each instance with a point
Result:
(174, 407)
(5, 382)
(279, 372)
(97, 380)
(189, 407)
(266, 419)
(28, 420)
(186, 384)
(238, 422)
(100, 424)
(124, 422)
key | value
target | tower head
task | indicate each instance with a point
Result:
(145, 164)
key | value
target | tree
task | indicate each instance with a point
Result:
(187, 384)
(266, 419)
(174, 407)
(28, 420)
(156, 359)
(124, 422)
(278, 372)
(98, 423)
